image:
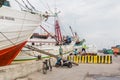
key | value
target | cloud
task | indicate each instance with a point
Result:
(96, 20)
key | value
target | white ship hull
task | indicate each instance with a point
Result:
(15, 28)
(48, 45)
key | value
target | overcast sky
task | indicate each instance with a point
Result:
(98, 21)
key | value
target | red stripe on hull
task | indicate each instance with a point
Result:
(8, 55)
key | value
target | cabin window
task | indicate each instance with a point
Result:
(6, 3)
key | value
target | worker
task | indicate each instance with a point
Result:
(59, 62)
(75, 51)
(60, 51)
(84, 48)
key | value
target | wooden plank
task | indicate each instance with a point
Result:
(40, 51)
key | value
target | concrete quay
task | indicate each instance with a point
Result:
(32, 71)
(81, 72)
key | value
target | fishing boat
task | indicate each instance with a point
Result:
(15, 28)
(51, 41)
(48, 41)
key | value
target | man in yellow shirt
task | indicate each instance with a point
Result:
(84, 48)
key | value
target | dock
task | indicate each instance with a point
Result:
(81, 72)
(32, 71)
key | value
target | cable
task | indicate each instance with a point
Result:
(43, 4)
(26, 6)
(49, 8)
(20, 4)
(49, 23)
(31, 5)
(46, 6)
(7, 38)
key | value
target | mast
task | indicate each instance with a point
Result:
(71, 30)
(58, 34)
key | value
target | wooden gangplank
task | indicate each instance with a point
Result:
(40, 51)
(43, 52)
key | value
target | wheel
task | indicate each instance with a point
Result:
(56, 65)
(44, 69)
(50, 65)
(69, 65)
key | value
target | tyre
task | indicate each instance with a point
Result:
(69, 65)
(44, 71)
(56, 65)
(50, 66)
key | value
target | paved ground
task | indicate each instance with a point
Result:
(81, 72)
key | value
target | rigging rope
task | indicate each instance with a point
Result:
(20, 5)
(43, 4)
(49, 8)
(7, 38)
(31, 5)
(26, 6)
(21, 28)
(48, 23)
(46, 6)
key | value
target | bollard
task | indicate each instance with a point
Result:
(109, 59)
(103, 59)
(75, 58)
(69, 58)
(92, 59)
(89, 59)
(79, 59)
(86, 58)
(83, 59)
(95, 59)
(99, 59)
(106, 59)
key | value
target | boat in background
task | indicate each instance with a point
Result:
(15, 29)
(49, 42)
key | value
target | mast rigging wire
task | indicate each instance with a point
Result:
(26, 6)
(31, 5)
(43, 4)
(46, 6)
(49, 8)
(20, 5)
(7, 38)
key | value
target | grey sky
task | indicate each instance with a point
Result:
(95, 20)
